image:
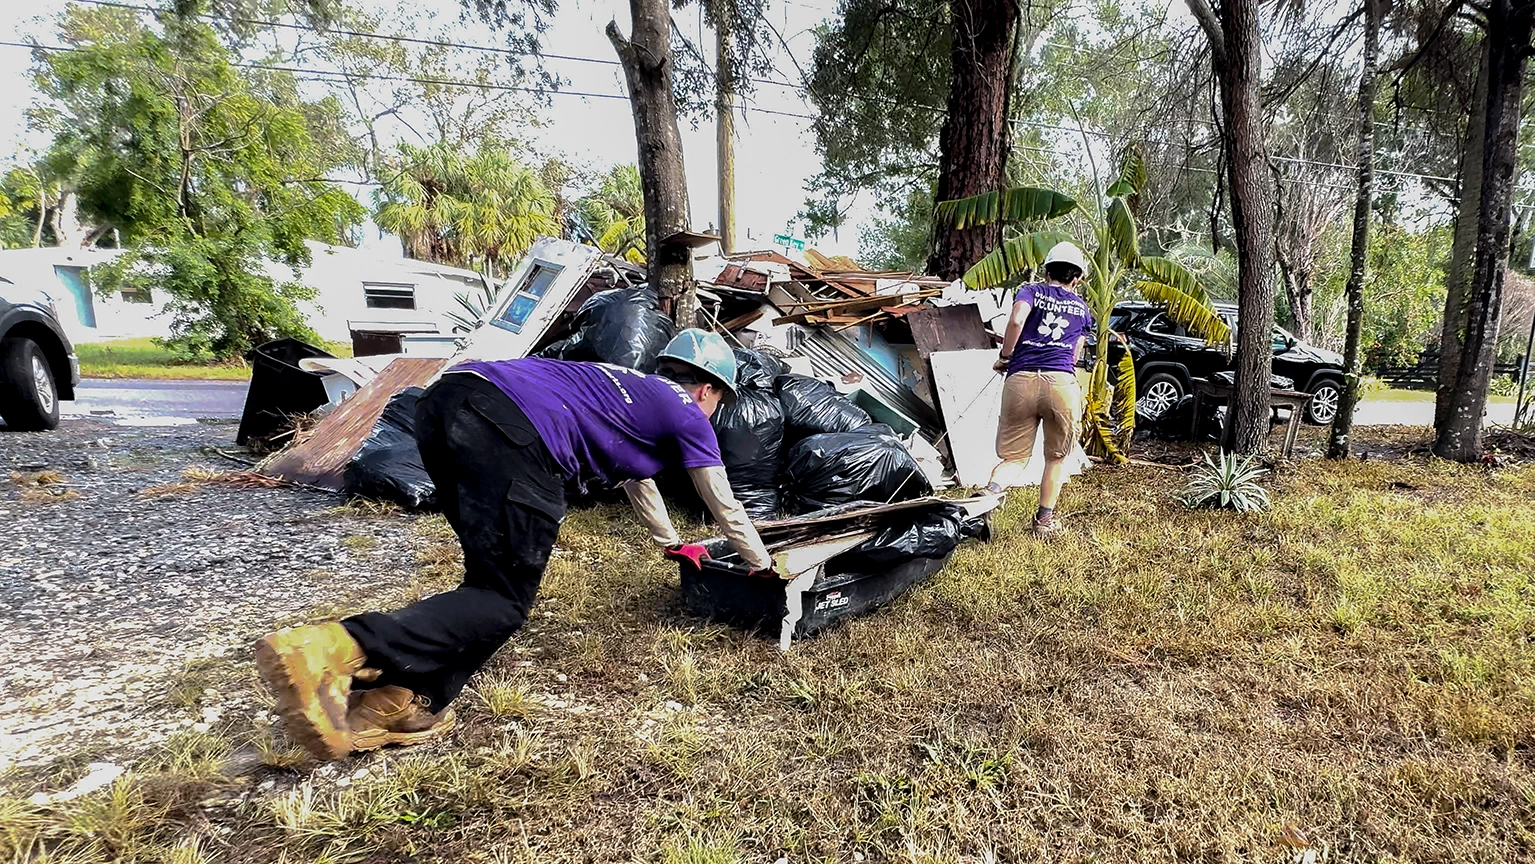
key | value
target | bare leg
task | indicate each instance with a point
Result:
(1052, 481)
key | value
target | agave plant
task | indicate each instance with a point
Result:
(1117, 267)
(1230, 482)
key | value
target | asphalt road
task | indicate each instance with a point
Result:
(174, 402)
(157, 402)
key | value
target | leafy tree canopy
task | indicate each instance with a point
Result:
(207, 172)
(482, 209)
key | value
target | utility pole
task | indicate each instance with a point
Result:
(725, 134)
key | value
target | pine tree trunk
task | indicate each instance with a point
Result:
(1364, 157)
(974, 141)
(647, 63)
(1509, 27)
(1237, 52)
(1457, 279)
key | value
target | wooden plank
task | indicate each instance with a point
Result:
(948, 328)
(859, 304)
(740, 321)
(320, 458)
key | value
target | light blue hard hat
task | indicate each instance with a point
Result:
(706, 352)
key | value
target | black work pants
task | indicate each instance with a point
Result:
(504, 495)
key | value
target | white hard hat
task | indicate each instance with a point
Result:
(1066, 252)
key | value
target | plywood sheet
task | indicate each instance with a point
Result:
(970, 397)
(319, 459)
(948, 328)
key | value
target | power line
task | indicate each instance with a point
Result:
(311, 74)
(408, 40)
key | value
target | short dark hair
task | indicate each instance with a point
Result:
(1062, 272)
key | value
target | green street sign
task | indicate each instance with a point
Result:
(792, 242)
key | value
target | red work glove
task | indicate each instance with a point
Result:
(687, 552)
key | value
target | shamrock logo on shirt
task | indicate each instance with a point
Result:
(1053, 326)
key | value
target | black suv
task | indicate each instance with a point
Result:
(1167, 359)
(38, 366)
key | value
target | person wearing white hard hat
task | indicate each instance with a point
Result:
(501, 439)
(1040, 350)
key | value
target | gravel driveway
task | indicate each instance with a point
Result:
(107, 594)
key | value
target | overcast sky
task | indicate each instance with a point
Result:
(774, 157)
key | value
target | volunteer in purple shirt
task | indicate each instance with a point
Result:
(500, 440)
(1039, 356)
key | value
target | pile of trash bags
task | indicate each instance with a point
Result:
(622, 326)
(934, 534)
(793, 445)
(388, 465)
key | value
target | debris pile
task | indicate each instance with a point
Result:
(853, 384)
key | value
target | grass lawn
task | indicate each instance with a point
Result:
(142, 358)
(1394, 395)
(1353, 670)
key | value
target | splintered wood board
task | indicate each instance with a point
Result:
(320, 458)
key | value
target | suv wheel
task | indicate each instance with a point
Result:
(1158, 394)
(29, 398)
(1324, 402)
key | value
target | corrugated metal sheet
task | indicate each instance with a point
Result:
(834, 356)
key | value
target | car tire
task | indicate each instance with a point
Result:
(29, 396)
(1325, 395)
(1157, 395)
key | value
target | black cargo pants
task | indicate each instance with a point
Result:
(502, 492)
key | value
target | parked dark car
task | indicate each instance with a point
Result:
(38, 366)
(1167, 359)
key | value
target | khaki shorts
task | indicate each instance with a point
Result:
(1031, 398)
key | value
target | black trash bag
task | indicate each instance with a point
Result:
(1276, 382)
(758, 369)
(813, 407)
(622, 326)
(870, 464)
(750, 432)
(934, 534)
(1174, 423)
(388, 465)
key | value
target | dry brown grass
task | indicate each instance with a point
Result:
(43, 487)
(196, 476)
(1350, 674)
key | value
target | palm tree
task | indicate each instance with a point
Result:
(481, 210)
(614, 213)
(1117, 266)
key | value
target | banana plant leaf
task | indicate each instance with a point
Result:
(1122, 232)
(1014, 256)
(1098, 433)
(1198, 318)
(1124, 398)
(1132, 174)
(1170, 272)
(1017, 204)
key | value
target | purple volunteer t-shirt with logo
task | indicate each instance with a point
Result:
(604, 423)
(1057, 319)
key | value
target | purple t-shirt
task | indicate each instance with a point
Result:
(1057, 318)
(605, 423)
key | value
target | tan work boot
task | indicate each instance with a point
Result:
(394, 715)
(309, 669)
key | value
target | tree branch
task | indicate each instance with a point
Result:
(1205, 15)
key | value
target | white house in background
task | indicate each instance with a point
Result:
(373, 290)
